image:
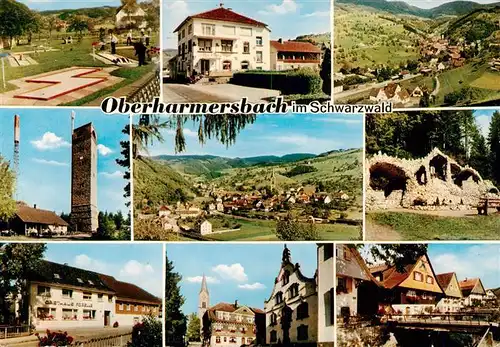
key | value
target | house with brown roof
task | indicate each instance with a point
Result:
(413, 290)
(289, 55)
(63, 296)
(473, 291)
(218, 42)
(226, 324)
(452, 300)
(35, 221)
(356, 287)
(392, 92)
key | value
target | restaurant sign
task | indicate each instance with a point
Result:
(68, 303)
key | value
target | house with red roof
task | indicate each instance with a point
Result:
(289, 55)
(412, 290)
(452, 301)
(218, 42)
(473, 291)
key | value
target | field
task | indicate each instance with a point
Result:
(367, 38)
(263, 230)
(412, 226)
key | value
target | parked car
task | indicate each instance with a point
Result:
(7, 232)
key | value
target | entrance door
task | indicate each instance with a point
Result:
(205, 66)
(107, 316)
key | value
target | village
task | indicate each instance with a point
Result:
(436, 75)
(203, 216)
(412, 298)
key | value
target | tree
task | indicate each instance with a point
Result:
(326, 72)
(15, 19)
(290, 230)
(175, 320)
(151, 7)
(17, 260)
(50, 24)
(124, 162)
(494, 143)
(130, 7)
(79, 24)
(7, 188)
(147, 333)
(399, 255)
(194, 328)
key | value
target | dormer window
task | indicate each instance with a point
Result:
(79, 280)
(57, 277)
(91, 283)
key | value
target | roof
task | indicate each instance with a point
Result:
(35, 215)
(467, 285)
(295, 46)
(227, 307)
(444, 279)
(130, 291)
(49, 272)
(223, 14)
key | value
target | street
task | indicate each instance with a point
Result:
(182, 93)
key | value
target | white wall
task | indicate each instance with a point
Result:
(325, 283)
(57, 302)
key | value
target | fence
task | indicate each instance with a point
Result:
(9, 331)
(147, 91)
(108, 341)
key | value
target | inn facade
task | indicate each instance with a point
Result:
(61, 297)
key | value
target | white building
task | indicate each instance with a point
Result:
(473, 291)
(219, 42)
(452, 301)
(326, 312)
(205, 227)
(292, 308)
(125, 19)
(61, 297)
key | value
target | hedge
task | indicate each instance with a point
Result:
(303, 81)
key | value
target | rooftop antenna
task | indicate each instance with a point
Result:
(17, 138)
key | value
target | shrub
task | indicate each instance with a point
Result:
(55, 339)
(302, 81)
(288, 230)
(147, 333)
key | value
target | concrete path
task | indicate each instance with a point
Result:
(181, 93)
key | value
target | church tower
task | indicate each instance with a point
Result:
(203, 299)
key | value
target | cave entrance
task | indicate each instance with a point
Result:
(421, 175)
(388, 178)
(464, 175)
(438, 167)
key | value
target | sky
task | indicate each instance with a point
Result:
(483, 119)
(436, 3)
(275, 135)
(45, 5)
(140, 264)
(467, 261)
(286, 19)
(45, 156)
(243, 272)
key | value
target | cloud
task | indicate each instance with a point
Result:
(287, 6)
(343, 120)
(134, 268)
(116, 174)
(49, 141)
(304, 142)
(103, 150)
(86, 262)
(50, 162)
(318, 14)
(198, 279)
(233, 272)
(254, 286)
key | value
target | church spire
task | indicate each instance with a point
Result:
(204, 284)
(287, 258)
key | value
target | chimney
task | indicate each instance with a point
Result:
(280, 40)
(34, 206)
(235, 303)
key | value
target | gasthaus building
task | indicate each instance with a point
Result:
(63, 296)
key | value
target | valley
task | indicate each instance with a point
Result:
(391, 51)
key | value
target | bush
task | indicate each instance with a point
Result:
(116, 325)
(302, 81)
(55, 339)
(288, 230)
(147, 333)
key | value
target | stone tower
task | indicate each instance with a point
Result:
(84, 179)
(203, 299)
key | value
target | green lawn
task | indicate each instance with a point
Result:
(263, 230)
(76, 54)
(412, 226)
